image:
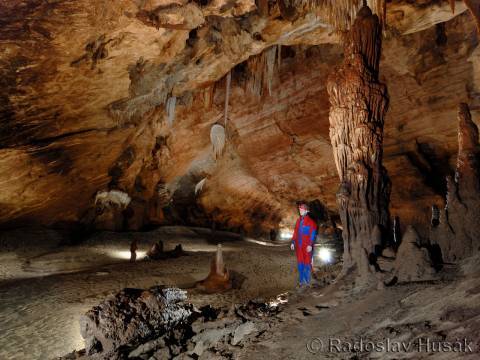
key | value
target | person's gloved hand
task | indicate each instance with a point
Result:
(309, 248)
(292, 246)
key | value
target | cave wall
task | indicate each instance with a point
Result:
(84, 86)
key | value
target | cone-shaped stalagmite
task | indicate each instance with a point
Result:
(219, 278)
(458, 234)
(358, 103)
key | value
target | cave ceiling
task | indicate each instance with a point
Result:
(84, 87)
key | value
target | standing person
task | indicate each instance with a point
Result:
(302, 242)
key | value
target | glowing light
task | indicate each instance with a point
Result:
(126, 254)
(286, 234)
(325, 255)
(259, 242)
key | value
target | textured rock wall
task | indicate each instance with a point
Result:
(82, 108)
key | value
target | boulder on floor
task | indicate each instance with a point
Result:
(132, 316)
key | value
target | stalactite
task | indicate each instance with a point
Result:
(452, 5)
(200, 185)
(228, 85)
(279, 56)
(217, 137)
(262, 71)
(112, 197)
(474, 7)
(208, 94)
(358, 103)
(338, 13)
(270, 56)
(262, 6)
(171, 105)
(256, 66)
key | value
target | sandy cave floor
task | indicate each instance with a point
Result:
(40, 304)
(44, 292)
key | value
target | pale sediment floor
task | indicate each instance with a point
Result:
(44, 292)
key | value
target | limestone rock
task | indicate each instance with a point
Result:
(458, 234)
(413, 262)
(358, 103)
(132, 316)
(85, 84)
(241, 331)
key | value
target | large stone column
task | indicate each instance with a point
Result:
(358, 103)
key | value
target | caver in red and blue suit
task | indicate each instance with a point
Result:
(302, 241)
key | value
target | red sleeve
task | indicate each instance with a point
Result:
(295, 232)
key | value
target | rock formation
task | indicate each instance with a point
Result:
(412, 262)
(158, 324)
(132, 316)
(358, 103)
(218, 279)
(458, 234)
(88, 89)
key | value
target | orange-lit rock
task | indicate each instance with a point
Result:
(82, 109)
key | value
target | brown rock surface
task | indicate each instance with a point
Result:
(82, 108)
(358, 104)
(458, 234)
(412, 262)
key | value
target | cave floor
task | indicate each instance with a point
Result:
(43, 292)
(406, 321)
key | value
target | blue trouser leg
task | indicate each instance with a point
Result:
(307, 272)
(300, 272)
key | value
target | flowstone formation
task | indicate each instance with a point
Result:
(358, 103)
(458, 234)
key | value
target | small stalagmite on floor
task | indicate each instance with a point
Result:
(219, 277)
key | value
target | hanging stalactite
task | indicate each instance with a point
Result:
(262, 69)
(228, 85)
(270, 55)
(208, 94)
(338, 13)
(474, 7)
(199, 186)
(170, 108)
(217, 138)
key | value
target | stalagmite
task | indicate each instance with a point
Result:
(171, 105)
(458, 234)
(219, 278)
(358, 103)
